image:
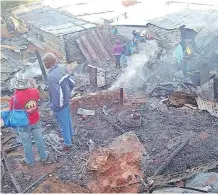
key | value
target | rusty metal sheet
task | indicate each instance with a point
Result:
(96, 45)
(86, 48)
(103, 36)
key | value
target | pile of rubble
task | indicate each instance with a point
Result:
(125, 141)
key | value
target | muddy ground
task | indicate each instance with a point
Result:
(160, 133)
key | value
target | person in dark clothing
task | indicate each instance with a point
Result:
(60, 86)
(189, 34)
(134, 34)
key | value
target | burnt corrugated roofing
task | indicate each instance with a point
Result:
(51, 20)
(204, 22)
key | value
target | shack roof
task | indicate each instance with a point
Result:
(191, 18)
(51, 20)
(90, 10)
(204, 22)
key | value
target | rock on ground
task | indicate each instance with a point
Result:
(115, 166)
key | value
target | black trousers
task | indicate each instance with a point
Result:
(117, 57)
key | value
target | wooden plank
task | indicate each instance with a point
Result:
(8, 167)
(170, 158)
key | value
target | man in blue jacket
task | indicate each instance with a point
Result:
(60, 86)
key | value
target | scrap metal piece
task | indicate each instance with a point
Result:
(82, 111)
(91, 145)
(206, 91)
(104, 110)
(209, 106)
(171, 178)
(206, 105)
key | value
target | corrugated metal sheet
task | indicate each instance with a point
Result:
(206, 91)
(207, 105)
(96, 45)
(53, 21)
(166, 38)
(103, 36)
(204, 22)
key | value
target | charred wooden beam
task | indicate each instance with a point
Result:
(10, 149)
(8, 167)
(42, 67)
(170, 158)
(36, 182)
(121, 96)
(8, 139)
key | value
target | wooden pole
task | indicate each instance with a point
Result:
(121, 96)
(42, 67)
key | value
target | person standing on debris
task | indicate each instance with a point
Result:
(114, 30)
(27, 98)
(60, 86)
(117, 51)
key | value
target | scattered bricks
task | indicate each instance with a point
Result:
(95, 100)
(114, 167)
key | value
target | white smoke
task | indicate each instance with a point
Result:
(134, 75)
